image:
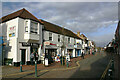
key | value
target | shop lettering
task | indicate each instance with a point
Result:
(26, 44)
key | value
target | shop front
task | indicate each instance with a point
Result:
(26, 50)
(79, 50)
(70, 50)
(50, 53)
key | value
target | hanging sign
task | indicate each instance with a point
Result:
(47, 43)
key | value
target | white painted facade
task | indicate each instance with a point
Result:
(69, 45)
(17, 26)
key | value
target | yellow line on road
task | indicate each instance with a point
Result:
(104, 73)
(43, 70)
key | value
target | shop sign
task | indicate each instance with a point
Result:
(26, 44)
(47, 43)
(30, 44)
(34, 45)
(12, 31)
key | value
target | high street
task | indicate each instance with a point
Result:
(92, 67)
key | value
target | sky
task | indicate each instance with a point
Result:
(97, 20)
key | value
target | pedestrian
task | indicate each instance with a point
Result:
(36, 58)
(32, 57)
(82, 55)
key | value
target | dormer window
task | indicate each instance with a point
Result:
(34, 27)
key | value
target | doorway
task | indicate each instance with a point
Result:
(23, 56)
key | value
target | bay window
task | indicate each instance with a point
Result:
(26, 26)
(34, 27)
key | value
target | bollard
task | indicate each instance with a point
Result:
(21, 66)
(35, 68)
(67, 63)
(110, 72)
(112, 64)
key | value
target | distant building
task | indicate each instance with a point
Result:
(117, 39)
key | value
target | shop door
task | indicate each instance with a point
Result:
(23, 56)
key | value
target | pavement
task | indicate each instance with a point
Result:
(11, 71)
(116, 67)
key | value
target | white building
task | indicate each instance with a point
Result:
(24, 34)
(53, 41)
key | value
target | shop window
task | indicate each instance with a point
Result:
(58, 38)
(50, 36)
(34, 27)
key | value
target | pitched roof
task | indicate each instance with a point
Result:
(23, 13)
(83, 36)
(57, 29)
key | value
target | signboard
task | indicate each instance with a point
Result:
(12, 31)
(30, 44)
(46, 61)
(34, 45)
(47, 43)
(26, 44)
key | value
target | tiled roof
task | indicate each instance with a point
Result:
(57, 29)
(23, 13)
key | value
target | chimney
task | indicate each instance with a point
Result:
(78, 33)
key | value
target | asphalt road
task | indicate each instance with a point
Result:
(90, 68)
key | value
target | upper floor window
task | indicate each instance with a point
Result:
(68, 39)
(58, 38)
(50, 36)
(26, 26)
(34, 27)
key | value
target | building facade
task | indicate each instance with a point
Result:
(117, 39)
(26, 34)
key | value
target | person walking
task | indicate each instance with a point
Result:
(32, 57)
(82, 55)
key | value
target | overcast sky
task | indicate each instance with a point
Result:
(97, 20)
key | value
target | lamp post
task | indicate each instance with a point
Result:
(35, 63)
(35, 68)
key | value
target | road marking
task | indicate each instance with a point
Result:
(43, 70)
(104, 73)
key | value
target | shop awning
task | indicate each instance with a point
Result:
(51, 47)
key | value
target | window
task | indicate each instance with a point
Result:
(68, 39)
(50, 36)
(26, 26)
(34, 27)
(58, 38)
